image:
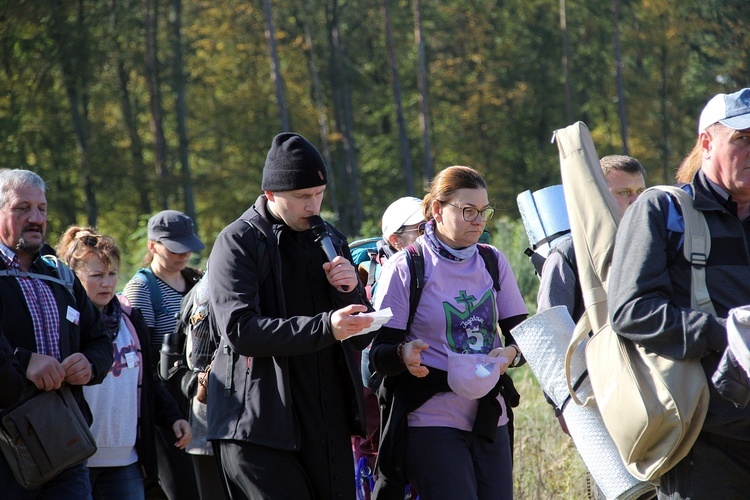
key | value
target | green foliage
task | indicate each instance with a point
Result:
(509, 236)
(495, 94)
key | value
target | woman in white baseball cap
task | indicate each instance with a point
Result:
(401, 222)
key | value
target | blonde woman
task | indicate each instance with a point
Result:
(129, 403)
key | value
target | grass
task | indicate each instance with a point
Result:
(546, 463)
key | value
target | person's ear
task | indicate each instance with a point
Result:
(437, 211)
(269, 195)
(706, 141)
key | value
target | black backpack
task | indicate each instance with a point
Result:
(195, 320)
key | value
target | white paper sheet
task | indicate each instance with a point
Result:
(380, 318)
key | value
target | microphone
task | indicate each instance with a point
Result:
(319, 229)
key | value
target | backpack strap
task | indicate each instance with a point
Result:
(265, 269)
(146, 275)
(696, 247)
(490, 263)
(65, 275)
(415, 260)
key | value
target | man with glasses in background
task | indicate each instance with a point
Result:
(57, 337)
(626, 180)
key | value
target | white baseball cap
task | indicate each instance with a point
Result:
(402, 212)
(731, 110)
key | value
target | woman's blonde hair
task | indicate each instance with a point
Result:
(78, 243)
(690, 164)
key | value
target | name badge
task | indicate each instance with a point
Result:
(131, 359)
(73, 316)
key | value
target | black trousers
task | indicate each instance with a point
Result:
(257, 472)
(209, 477)
(716, 467)
(175, 466)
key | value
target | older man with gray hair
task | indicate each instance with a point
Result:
(649, 292)
(56, 336)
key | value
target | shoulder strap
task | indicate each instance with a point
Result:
(490, 263)
(64, 272)
(696, 247)
(65, 275)
(415, 260)
(146, 275)
(265, 263)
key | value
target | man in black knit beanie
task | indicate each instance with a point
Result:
(285, 394)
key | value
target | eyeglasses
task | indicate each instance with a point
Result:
(470, 214)
(419, 229)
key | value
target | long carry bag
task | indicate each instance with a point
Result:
(652, 406)
(44, 435)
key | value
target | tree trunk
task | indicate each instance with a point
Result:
(396, 83)
(181, 111)
(351, 215)
(663, 100)
(150, 22)
(140, 171)
(318, 99)
(73, 59)
(620, 83)
(565, 61)
(273, 57)
(424, 123)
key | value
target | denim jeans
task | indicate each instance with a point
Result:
(117, 483)
(70, 484)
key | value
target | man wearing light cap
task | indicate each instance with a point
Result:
(285, 394)
(649, 292)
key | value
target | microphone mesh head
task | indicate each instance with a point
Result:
(317, 226)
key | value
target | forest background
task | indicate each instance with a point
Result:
(128, 107)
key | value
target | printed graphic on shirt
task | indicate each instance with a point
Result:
(471, 331)
(125, 357)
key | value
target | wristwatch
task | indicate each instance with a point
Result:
(517, 359)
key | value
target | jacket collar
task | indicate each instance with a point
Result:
(707, 197)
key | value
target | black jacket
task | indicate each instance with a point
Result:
(87, 337)
(249, 396)
(12, 375)
(158, 407)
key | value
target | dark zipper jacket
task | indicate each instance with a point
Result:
(649, 290)
(87, 337)
(249, 396)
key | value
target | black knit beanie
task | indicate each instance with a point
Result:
(293, 163)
